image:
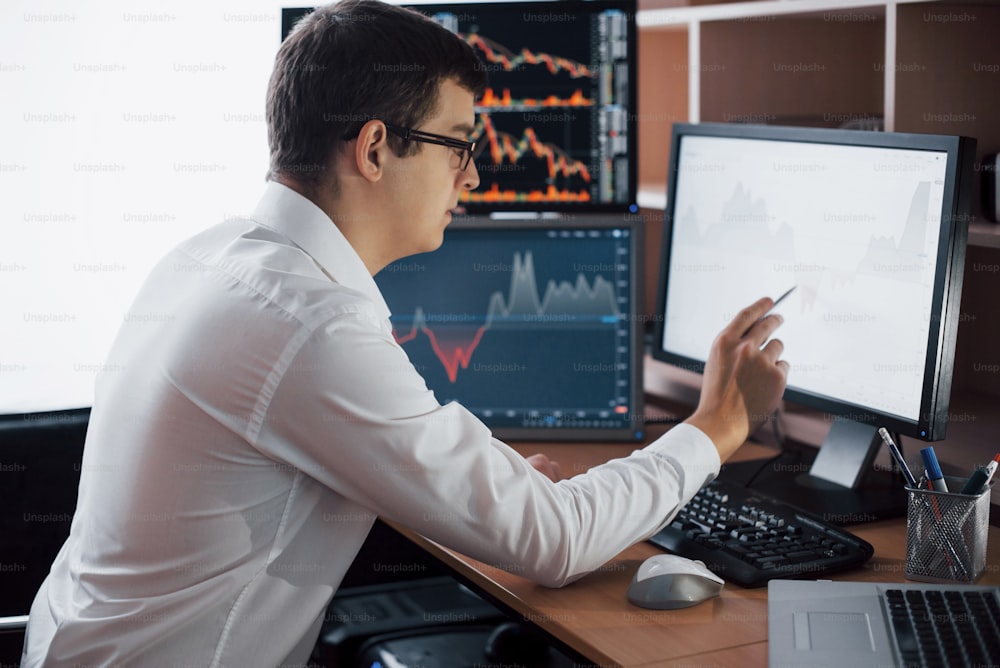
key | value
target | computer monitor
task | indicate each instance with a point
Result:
(144, 126)
(528, 324)
(556, 129)
(127, 127)
(870, 229)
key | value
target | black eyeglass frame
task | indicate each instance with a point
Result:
(430, 138)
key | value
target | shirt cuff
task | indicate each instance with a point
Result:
(692, 453)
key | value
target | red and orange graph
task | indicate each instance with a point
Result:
(503, 145)
(505, 148)
(550, 194)
(454, 351)
(491, 100)
(509, 61)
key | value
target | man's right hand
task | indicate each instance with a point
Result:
(743, 379)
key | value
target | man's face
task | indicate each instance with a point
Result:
(427, 185)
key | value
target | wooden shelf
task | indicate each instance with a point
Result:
(911, 65)
(985, 234)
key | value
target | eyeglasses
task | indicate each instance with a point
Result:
(467, 147)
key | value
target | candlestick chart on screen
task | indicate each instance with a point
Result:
(552, 129)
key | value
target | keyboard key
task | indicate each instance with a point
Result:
(946, 628)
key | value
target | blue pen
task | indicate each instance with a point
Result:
(898, 456)
(935, 479)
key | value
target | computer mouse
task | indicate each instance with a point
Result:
(669, 582)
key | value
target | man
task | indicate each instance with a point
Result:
(241, 446)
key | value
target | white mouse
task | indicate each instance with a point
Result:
(669, 581)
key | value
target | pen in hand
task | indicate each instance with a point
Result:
(779, 300)
(782, 297)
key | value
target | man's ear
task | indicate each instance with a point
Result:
(371, 150)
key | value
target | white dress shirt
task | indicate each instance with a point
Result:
(254, 416)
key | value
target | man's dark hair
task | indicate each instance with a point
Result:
(353, 61)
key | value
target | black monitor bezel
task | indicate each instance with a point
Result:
(633, 428)
(932, 421)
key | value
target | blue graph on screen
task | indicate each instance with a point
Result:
(563, 303)
(501, 322)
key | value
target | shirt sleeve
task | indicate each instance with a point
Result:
(351, 411)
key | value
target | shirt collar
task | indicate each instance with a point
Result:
(287, 212)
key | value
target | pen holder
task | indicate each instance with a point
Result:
(946, 534)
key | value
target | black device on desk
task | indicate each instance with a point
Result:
(870, 229)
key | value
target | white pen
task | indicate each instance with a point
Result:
(991, 468)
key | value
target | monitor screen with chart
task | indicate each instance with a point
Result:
(870, 230)
(528, 324)
(556, 128)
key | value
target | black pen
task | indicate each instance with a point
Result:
(782, 297)
(778, 301)
(976, 482)
(898, 456)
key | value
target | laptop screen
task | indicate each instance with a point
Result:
(529, 324)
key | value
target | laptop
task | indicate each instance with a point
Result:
(825, 623)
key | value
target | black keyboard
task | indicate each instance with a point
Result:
(945, 628)
(747, 538)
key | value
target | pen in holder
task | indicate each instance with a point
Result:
(946, 534)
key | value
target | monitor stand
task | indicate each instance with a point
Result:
(838, 484)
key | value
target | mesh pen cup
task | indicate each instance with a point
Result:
(946, 534)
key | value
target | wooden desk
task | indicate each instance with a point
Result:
(593, 616)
